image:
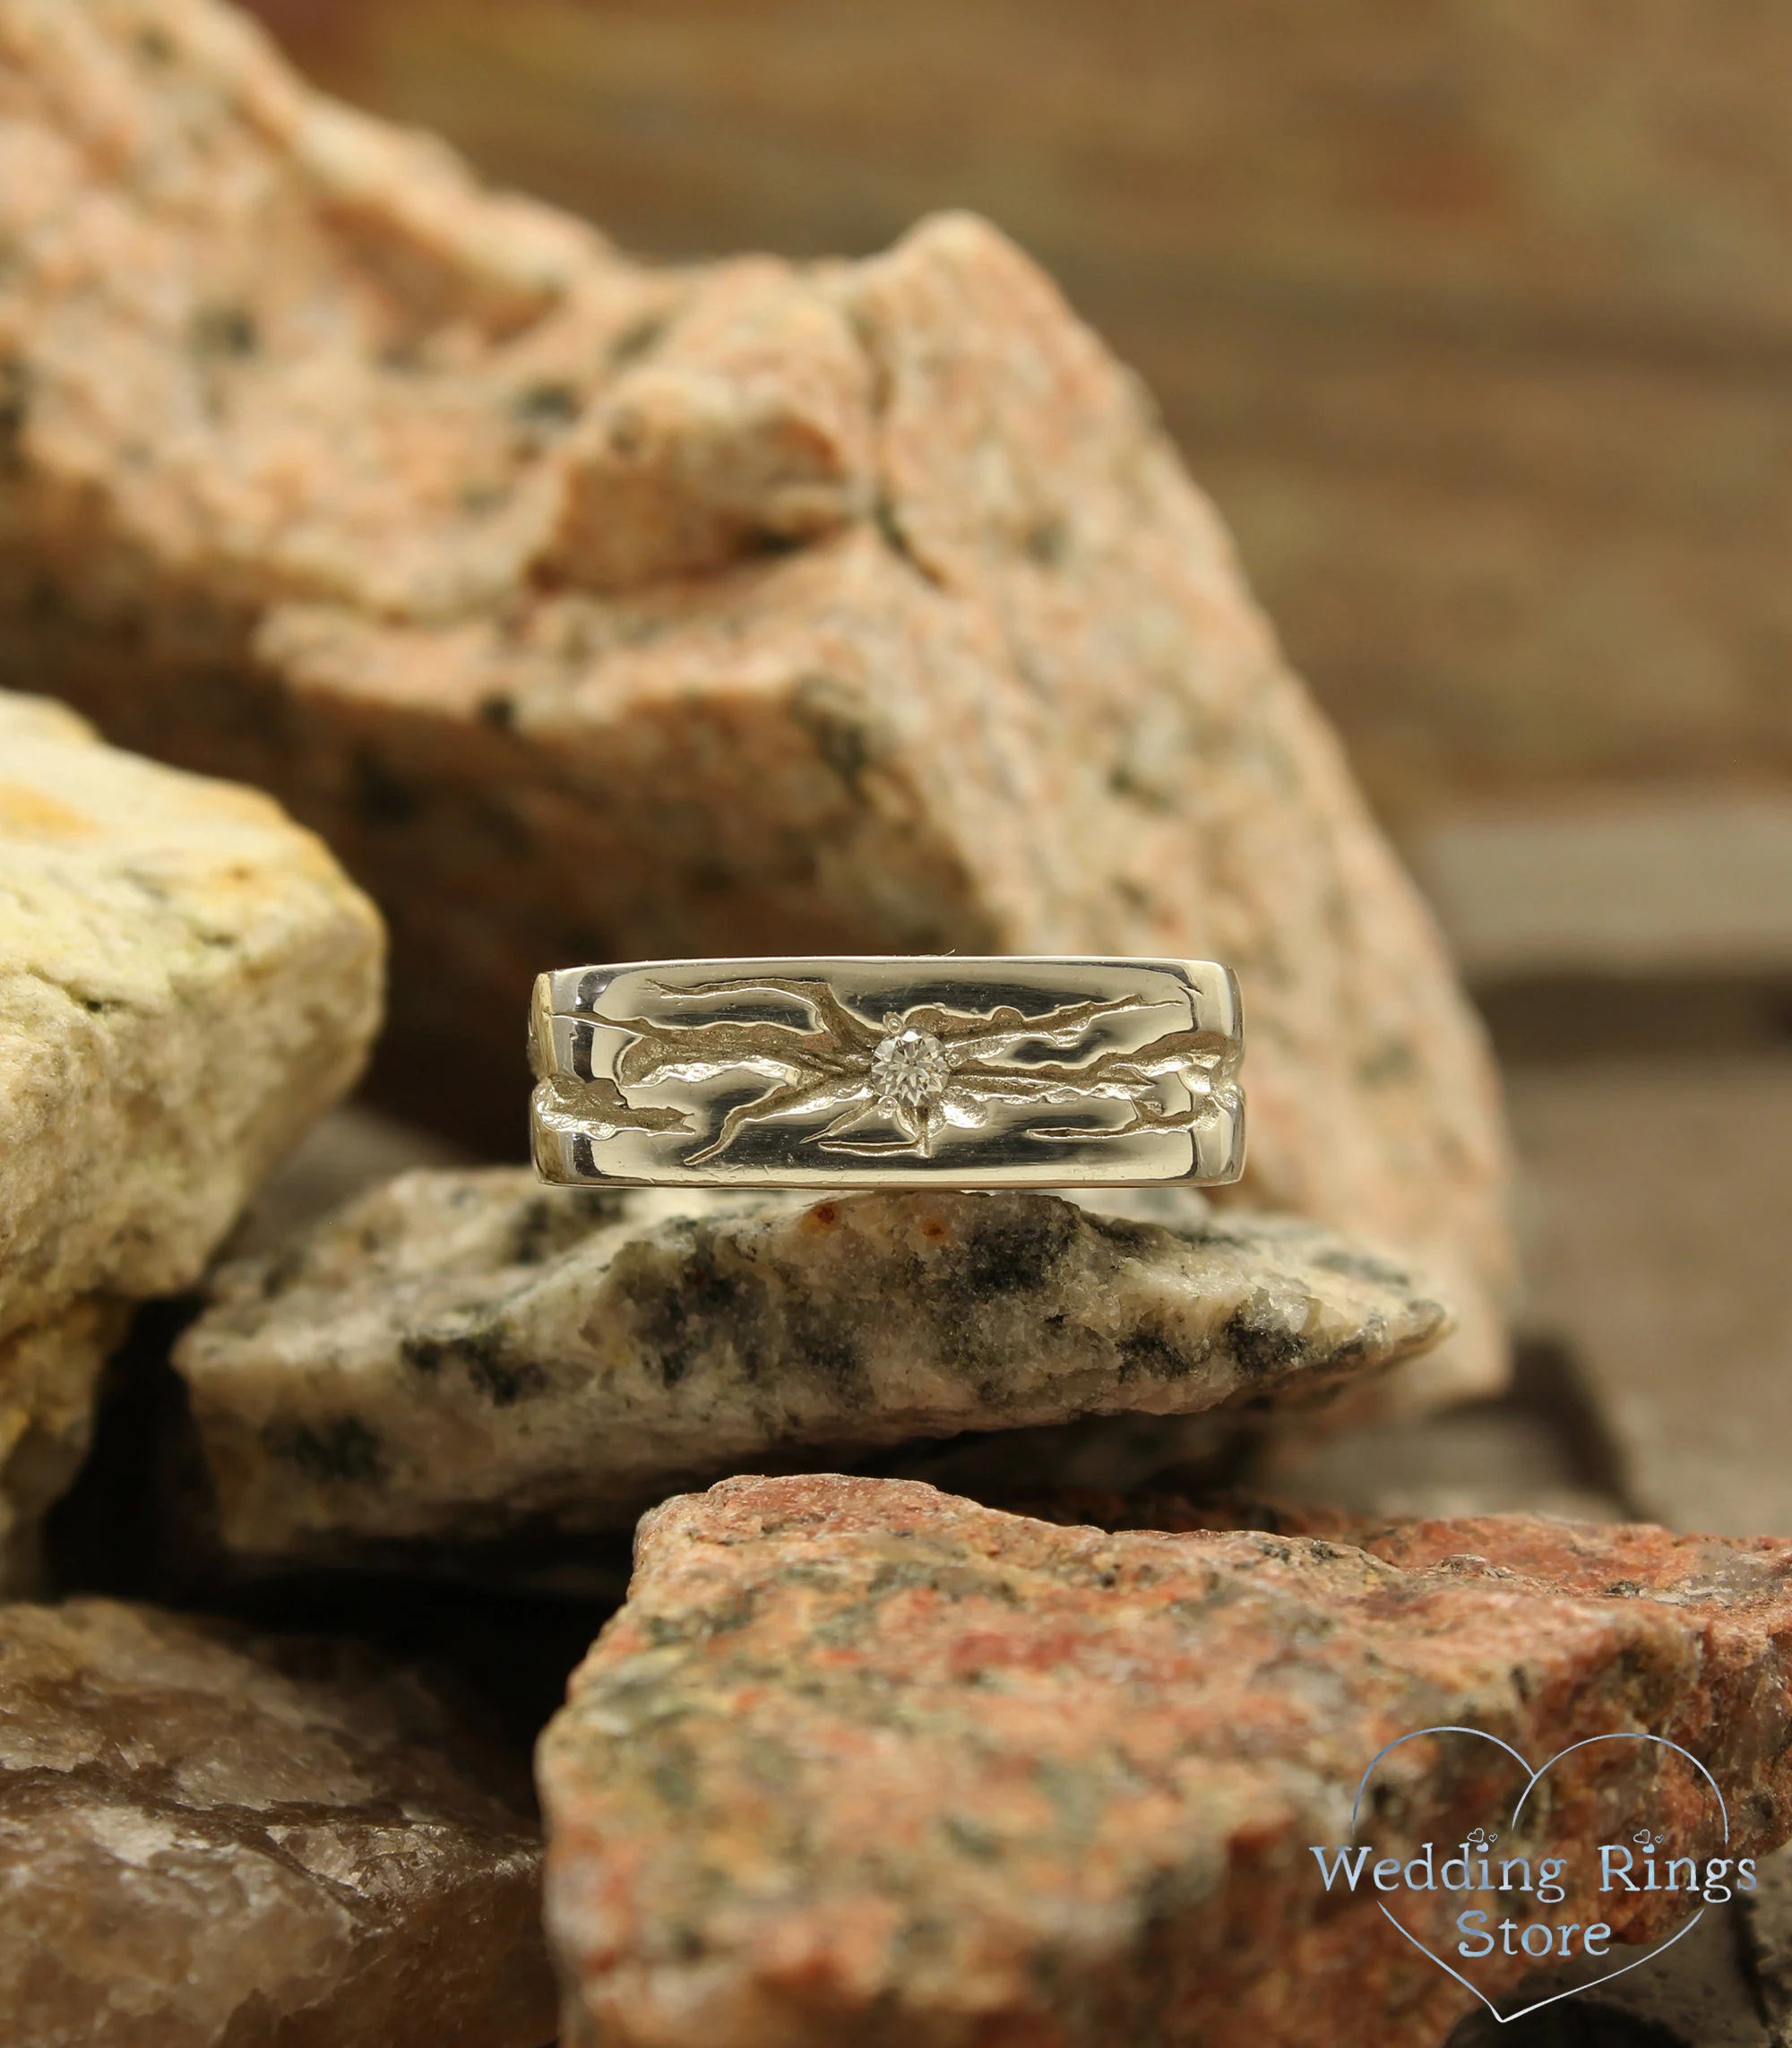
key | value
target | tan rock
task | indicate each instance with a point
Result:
(208, 1836)
(861, 1760)
(750, 426)
(461, 1357)
(592, 612)
(186, 980)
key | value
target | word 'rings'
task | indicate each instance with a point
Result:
(898, 1072)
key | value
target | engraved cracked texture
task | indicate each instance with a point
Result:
(989, 1072)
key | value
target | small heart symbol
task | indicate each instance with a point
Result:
(1532, 1777)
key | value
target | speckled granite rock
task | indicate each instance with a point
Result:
(209, 1837)
(860, 1760)
(186, 980)
(467, 1355)
(597, 612)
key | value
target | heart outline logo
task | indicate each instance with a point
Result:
(1532, 1779)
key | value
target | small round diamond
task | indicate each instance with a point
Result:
(909, 1068)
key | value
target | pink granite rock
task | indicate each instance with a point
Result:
(860, 1760)
(597, 612)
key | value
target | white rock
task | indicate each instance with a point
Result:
(186, 980)
(464, 1358)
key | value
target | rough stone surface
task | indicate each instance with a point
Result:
(469, 1357)
(598, 613)
(214, 1840)
(860, 1758)
(186, 980)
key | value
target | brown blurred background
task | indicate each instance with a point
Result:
(1476, 319)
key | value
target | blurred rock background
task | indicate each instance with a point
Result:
(1468, 320)
(1475, 321)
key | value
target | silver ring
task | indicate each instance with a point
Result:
(915, 1071)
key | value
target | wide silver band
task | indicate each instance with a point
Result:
(921, 1070)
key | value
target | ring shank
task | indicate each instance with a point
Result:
(889, 1072)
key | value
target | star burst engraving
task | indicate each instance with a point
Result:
(898, 1086)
